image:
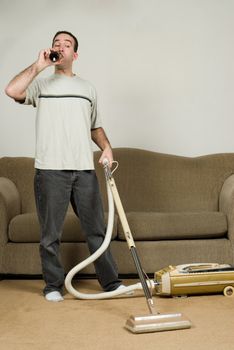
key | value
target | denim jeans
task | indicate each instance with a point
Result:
(54, 190)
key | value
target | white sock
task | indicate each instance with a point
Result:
(54, 296)
(131, 292)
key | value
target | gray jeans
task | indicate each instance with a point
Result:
(54, 190)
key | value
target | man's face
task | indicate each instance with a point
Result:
(64, 43)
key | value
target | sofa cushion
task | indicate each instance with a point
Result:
(163, 226)
(25, 228)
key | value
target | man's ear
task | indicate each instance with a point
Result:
(75, 56)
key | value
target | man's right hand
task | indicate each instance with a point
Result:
(44, 61)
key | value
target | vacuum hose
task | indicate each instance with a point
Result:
(98, 253)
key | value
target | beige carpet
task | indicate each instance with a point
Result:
(27, 321)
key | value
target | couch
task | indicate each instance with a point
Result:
(180, 210)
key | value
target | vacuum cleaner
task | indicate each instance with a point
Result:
(195, 279)
(152, 322)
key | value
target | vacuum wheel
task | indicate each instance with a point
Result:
(228, 291)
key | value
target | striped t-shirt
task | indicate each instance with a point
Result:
(66, 113)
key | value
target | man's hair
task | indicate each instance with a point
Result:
(68, 33)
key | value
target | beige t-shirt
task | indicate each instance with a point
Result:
(66, 113)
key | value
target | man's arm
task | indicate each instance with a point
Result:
(99, 137)
(16, 88)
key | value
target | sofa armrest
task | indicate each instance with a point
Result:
(9, 206)
(226, 204)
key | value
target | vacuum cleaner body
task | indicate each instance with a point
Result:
(194, 279)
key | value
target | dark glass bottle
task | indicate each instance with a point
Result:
(54, 56)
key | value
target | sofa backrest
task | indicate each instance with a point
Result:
(150, 181)
(146, 181)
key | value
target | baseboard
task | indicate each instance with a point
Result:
(10, 276)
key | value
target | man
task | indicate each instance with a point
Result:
(67, 121)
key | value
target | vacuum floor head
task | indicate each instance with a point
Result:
(157, 323)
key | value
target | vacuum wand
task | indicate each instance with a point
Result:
(128, 236)
(144, 284)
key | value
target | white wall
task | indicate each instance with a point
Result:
(163, 69)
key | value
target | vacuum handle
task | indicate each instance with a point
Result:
(120, 210)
